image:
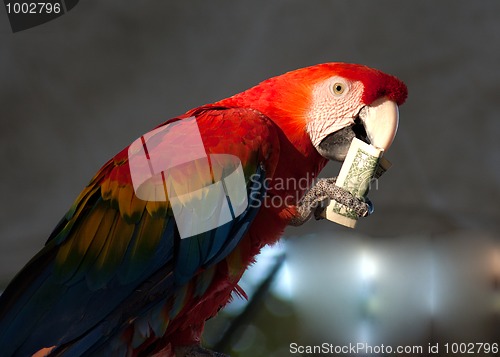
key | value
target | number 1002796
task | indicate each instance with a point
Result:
(472, 348)
(33, 8)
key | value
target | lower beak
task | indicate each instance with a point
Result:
(380, 119)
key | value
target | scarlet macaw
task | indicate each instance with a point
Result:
(119, 277)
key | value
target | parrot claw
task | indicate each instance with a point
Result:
(196, 351)
(315, 201)
(370, 207)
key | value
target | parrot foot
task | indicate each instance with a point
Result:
(196, 351)
(319, 196)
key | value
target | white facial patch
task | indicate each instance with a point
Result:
(331, 110)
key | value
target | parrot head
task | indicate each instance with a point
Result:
(329, 104)
(354, 101)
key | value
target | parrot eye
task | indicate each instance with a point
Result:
(338, 88)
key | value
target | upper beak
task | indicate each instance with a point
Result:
(380, 119)
(376, 124)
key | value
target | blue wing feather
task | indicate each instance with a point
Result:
(80, 310)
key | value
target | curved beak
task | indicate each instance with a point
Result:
(380, 119)
(376, 124)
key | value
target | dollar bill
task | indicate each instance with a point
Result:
(362, 163)
(383, 166)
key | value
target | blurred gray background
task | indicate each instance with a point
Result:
(76, 90)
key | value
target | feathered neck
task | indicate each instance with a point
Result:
(285, 100)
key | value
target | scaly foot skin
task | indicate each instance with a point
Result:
(196, 351)
(318, 197)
